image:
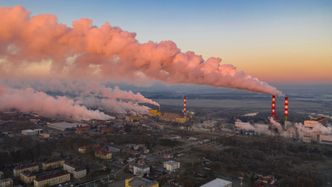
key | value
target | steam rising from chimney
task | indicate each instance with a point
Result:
(38, 46)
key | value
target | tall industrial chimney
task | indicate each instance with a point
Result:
(184, 104)
(273, 107)
(286, 109)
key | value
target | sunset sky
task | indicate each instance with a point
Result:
(276, 41)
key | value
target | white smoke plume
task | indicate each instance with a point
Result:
(29, 100)
(90, 94)
(296, 130)
(38, 46)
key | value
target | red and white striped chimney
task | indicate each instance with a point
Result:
(184, 104)
(273, 107)
(286, 109)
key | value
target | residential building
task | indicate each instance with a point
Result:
(27, 177)
(52, 164)
(141, 169)
(76, 170)
(83, 149)
(8, 182)
(171, 165)
(51, 178)
(25, 167)
(103, 153)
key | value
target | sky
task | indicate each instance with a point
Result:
(276, 41)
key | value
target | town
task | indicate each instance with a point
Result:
(158, 148)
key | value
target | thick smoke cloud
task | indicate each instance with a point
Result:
(39, 46)
(29, 100)
(89, 94)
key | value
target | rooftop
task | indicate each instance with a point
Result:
(217, 183)
(139, 181)
(50, 174)
(22, 166)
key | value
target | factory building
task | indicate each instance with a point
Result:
(173, 117)
(51, 178)
(154, 113)
(31, 132)
(52, 164)
(7, 182)
(311, 123)
(26, 167)
(140, 182)
(63, 126)
(218, 183)
(325, 139)
(171, 165)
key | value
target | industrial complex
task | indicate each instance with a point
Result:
(159, 148)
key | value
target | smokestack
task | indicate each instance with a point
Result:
(184, 104)
(273, 107)
(286, 109)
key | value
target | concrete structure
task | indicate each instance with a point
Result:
(51, 178)
(27, 177)
(171, 165)
(26, 167)
(52, 164)
(62, 126)
(140, 182)
(325, 139)
(8, 182)
(218, 183)
(141, 169)
(77, 171)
